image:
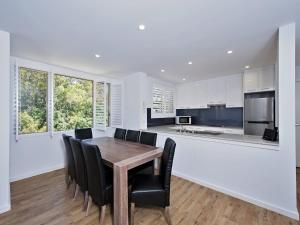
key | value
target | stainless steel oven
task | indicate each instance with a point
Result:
(183, 120)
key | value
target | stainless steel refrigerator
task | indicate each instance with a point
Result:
(259, 113)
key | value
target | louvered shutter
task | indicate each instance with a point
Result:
(169, 101)
(157, 96)
(100, 108)
(116, 105)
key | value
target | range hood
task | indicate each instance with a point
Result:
(216, 105)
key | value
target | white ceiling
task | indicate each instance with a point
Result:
(70, 33)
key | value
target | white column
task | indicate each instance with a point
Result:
(135, 112)
(286, 101)
(4, 121)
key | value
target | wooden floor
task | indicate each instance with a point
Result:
(44, 200)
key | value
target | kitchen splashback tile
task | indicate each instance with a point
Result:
(214, 116)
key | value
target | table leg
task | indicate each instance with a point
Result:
(120, 195)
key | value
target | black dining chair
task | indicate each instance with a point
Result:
(146, 138)
(70, 167)
(81, 171)
(132, 135)
(154, 190)
(120, 133)
(84, 133)
(100, 182)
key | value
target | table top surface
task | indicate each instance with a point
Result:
(115, 150)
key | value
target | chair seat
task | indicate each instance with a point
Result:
(148, 190)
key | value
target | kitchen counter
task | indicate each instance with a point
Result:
(218, 133)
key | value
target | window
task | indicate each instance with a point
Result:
(102, 114)
(73, 103)
(162, 101)
(48, 102)
(32, 97)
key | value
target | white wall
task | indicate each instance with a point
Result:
(4, 121)
(34, 154)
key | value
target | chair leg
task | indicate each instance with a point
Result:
(88, 206)
(167, 215)
(102, 214)
(76, 191)
(132, 208)
(86, 199)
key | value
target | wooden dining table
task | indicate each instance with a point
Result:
(122, 156)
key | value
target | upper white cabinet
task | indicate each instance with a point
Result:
(234, 91)
(216, 91)
(261, 79)
(225, 90)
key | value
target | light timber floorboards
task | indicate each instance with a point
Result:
(44, 199)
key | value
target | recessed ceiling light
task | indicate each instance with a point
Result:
(190, 62)
(142, 27)
(162, 70)
(183, 79)
(97, 55)
(229, 52)
(247, 67)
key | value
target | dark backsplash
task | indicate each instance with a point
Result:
(214, 116)
(158, 121)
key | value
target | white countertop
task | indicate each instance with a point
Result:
(252, 139)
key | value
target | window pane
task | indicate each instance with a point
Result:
(33, 86)
(73, 103)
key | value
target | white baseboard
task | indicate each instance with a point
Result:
(36, 172)
(266, 205)
(4, 208)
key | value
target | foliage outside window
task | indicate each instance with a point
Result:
(73, 103)
(33, 88)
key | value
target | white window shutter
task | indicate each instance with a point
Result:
(169, 101)
(16, 106)
(100, 105)
(157, 96)
(116, 105)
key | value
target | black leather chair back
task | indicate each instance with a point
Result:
(85, 133)
(80, 167)
(166, 166)
(96, 173)
(132, 135)
(120, 133)
(148, 138)
(70, 156)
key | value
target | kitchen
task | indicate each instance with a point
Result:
(237, 107)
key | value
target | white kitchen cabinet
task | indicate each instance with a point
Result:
(234, 91)
(201, 94)
(261, 79)
(266, 78)
(182, 97)
(216, 91)
(250, 81)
